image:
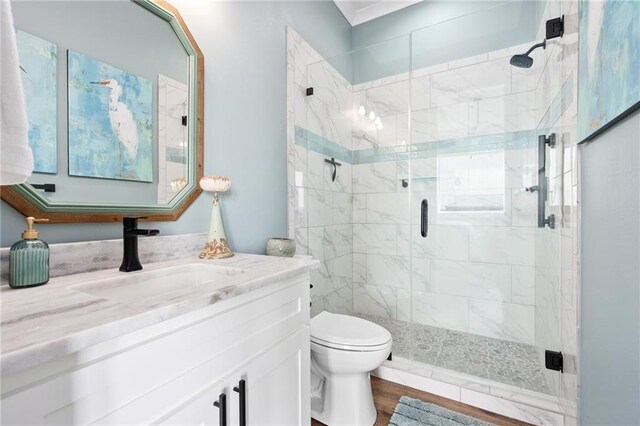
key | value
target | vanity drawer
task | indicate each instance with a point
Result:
(227, 336)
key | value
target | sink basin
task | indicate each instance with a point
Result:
(165, 282)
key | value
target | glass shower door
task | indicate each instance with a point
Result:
(473, 163)
(382, 190)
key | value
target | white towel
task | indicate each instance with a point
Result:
(16, 159)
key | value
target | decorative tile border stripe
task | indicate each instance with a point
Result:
(504, 141)
(316, 143)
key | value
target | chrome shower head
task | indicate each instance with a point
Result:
(523, 60)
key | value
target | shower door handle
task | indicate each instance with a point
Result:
(424, 218)
(543, 186)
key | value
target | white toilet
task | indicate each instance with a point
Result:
(344, 350)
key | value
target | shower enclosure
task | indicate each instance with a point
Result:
(414, 179)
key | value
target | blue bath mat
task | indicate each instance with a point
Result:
(413, 412)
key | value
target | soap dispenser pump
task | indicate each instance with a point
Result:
(29, 259)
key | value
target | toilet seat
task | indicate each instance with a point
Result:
(348, 333)
(351, 348)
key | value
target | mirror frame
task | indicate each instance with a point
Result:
(29, 201)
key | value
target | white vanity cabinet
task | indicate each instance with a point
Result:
(267, 390)
(174, 371)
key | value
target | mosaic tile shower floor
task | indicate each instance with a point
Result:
(498, 360)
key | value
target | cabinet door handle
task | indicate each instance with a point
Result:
(424, 218)
(221, 403)
(242, 390)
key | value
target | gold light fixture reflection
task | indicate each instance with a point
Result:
(177, 184)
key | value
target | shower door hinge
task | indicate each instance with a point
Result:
(184, 120)
(549, 140)
(553, 361)
(550, 221)
(555, 28)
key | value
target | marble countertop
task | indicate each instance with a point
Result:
(43, 323)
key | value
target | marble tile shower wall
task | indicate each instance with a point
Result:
(320, 207)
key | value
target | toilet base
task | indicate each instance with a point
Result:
(347, 401)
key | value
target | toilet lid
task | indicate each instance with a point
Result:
(347, 330)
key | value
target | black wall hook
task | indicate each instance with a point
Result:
(46, 187)
(335, 165)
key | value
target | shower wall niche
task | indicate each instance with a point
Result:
(487, 291)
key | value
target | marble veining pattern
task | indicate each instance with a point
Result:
(321, 210)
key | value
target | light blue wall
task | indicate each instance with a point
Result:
(610, 312)
(507, 16)
(245, 117)
(478, 27)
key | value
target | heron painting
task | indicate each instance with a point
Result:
(110, 125)
(609, 64)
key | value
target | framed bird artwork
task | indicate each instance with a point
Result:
(110, 121)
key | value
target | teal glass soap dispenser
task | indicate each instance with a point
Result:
(29, 259)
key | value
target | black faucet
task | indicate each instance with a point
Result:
(130, 233)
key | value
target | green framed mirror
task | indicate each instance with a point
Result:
(115, 102)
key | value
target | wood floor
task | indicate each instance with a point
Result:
(387, 394)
